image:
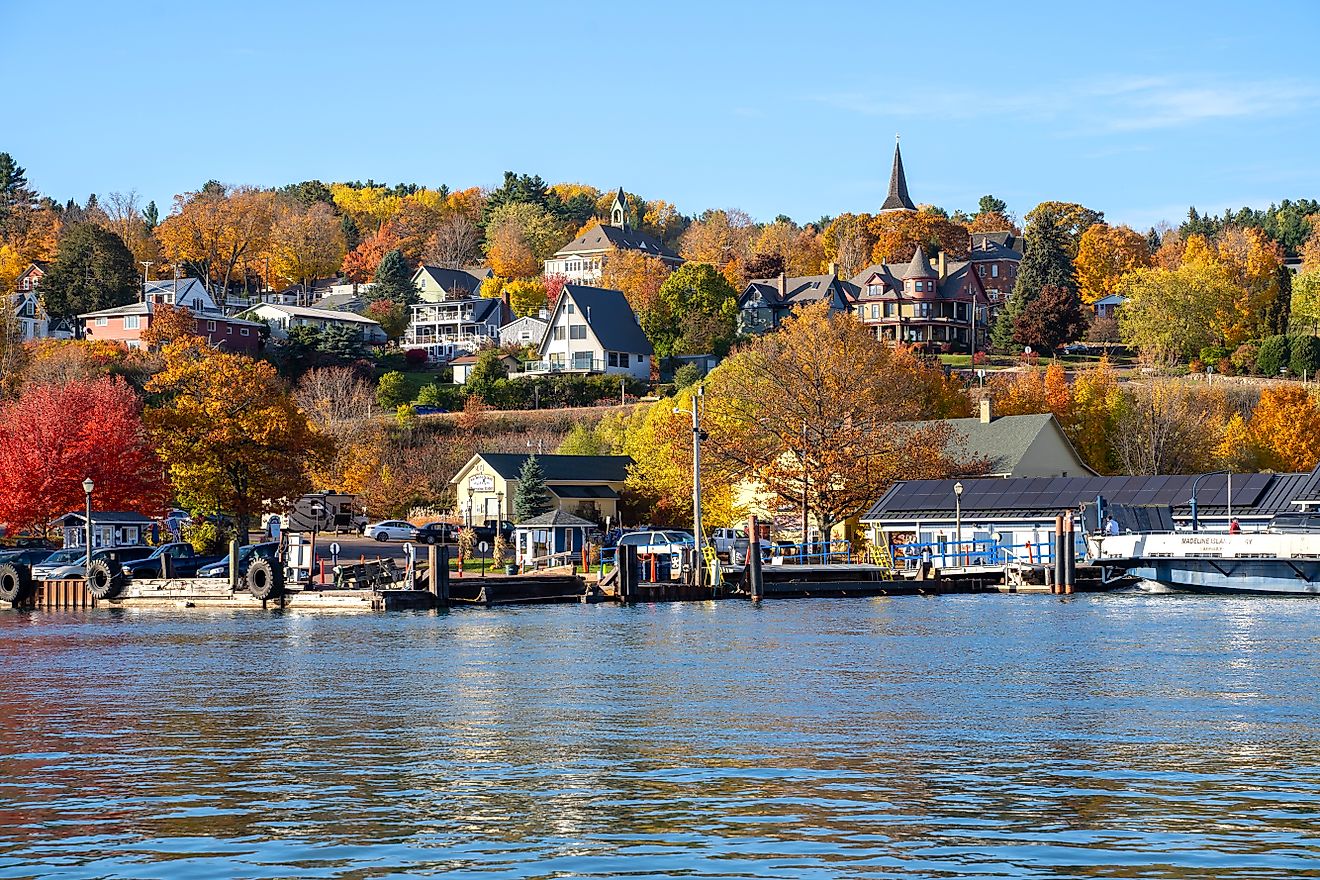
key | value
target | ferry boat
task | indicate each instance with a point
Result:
(1284, 559)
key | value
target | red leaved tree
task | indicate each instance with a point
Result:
(55, 436)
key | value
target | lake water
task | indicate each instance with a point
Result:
(984, 736)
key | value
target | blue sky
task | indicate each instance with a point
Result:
(1136, 109)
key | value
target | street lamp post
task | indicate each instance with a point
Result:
(470, 494)
(88, 486)
(957, 515)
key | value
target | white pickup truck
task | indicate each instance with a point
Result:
(726, 541)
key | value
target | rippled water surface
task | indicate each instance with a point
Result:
(1101, 736)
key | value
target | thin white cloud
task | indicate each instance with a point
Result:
(1107, 105)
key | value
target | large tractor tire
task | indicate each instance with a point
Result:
(15, 583)
(265, 579)
(105, 579)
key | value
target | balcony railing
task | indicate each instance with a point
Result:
(577, 365)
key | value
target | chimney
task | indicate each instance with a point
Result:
(508, 307)
(783, 284)
(986, 415)
(943, 270)
(834, 270)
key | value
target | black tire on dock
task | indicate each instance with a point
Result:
(264, 579)
(105, 579)
(15, 583)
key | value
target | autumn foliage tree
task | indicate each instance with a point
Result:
(55, 436)
(231, 436)
(815, 409)
(218, 229)
(1104, 255)
(1285, 428)
(897, 234)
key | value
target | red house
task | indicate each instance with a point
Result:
(125, 324)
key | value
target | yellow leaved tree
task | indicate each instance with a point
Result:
(1285, 428)
(230, 435)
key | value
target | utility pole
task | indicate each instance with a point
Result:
(804, 485)
(697, 437)
(146, 276)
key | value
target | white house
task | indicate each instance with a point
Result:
(282, 318)
(186, 293)
(582, 259)
(525, 331)
(438, 283)
(593, 330)
(452, 328)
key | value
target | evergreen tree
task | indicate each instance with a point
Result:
(1153, 240)
(532, 497)
(992, 205)
(352, 235)
(93, 270)
(393, 281)
(151, 215)
(1279, 314)
(1044, 264)
(14, 192)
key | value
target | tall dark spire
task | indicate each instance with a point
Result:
(898, 199)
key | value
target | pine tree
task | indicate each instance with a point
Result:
(393, 281)
(1045, 263)
(151, 215)
(1279, 313)
(532, 498)
(93, 270)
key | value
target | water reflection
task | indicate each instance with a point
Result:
(1119, 736)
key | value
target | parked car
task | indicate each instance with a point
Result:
(1076, 348)
(487, 531)
(391, 530)
(184, 562)
(438, 533)
(269, 550)
(28, 542)
(75, 569)
(30, 556)
(654, 543)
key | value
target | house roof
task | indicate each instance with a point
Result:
(468, 281)
(583, 491)
(1254, 495)
(337, 302)
(526, 319)
(321, 314)
(919, 266)
(1114, 299)
(802, 290)
(105, 517)
(141, 308)
(1005, 440)
(557, 519)
(185, 287)
(560, 468)
(610, 318)
(892, 275)
(898, 198)
(604, 236)
(991, 246)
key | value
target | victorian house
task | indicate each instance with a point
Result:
(766, 302)
(581, 260)
(941, 305)
(996, 256)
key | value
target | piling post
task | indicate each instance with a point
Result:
(233, 565)
(1069, 557)
(439, 560)
(1057, 586)
(755, 580)
(628, 570)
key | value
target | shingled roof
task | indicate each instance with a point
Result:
(603, 237)
(576, 469)
(610, 318)
(898, 199)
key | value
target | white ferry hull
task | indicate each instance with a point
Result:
(1217, 563)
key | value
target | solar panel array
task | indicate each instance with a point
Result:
(1062, 493)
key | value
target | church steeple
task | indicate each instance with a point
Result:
(619, 210)
(898, 199)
